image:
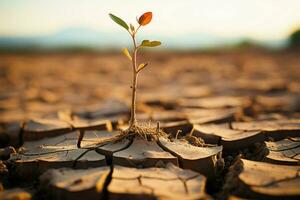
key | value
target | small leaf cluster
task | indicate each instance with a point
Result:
(143, 20)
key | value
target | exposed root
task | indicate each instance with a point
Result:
(145, 132)
(193, 140)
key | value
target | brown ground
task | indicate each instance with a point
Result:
(38, 84)
(255, 85)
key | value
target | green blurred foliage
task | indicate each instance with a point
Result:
(294, 39)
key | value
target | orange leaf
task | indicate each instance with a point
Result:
(145, 18)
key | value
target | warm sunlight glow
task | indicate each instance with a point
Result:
(257, 19)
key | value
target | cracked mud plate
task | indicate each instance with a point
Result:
(60, 151)
(142, 153)
(285, 151)
(260, 180)
(276, 129)
(231, 139)
(205, 160)
(125, 183)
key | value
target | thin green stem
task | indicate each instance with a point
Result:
(134, 83)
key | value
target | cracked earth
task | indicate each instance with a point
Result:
(232, 119)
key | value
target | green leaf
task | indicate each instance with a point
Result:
(142, 66)
(126, 53)
(119, 21)
(147, 43)
(132, 28)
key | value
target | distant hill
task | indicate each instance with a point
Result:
(91, 39)
(69, 38)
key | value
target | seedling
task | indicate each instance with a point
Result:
(134, 128)
(143, 20)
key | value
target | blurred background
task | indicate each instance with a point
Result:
(221, 61)
(66, 55)
(181, 25)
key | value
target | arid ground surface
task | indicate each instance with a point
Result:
(244, 105)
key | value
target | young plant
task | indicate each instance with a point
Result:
(134, 128)
(143, 20)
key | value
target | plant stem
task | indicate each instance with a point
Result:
(134, 84)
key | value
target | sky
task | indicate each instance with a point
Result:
(256, 19)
